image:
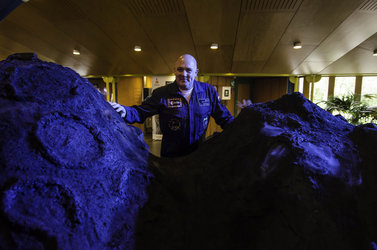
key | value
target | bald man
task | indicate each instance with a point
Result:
(184, 109)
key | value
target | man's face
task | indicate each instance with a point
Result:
(185, 72)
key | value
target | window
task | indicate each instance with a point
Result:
(321, 89)
(301, 85)
(369, 86)
(344, 86)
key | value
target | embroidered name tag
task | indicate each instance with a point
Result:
(203, 102)
(174, 102)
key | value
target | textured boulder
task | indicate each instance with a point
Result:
(285, 175)
(73, 175)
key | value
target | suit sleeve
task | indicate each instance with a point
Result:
(220, 113)
(149, 107)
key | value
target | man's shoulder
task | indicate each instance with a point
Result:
(203, 86)
(165, 89)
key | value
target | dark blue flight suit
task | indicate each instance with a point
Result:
(183, 124)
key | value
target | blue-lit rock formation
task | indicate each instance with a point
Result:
(285, 175)
(73, 175)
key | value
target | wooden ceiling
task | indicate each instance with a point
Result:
(254, 36)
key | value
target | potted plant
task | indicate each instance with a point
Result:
(351, 108)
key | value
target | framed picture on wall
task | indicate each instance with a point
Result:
(225, 93)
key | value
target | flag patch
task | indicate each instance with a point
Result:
(174, 102)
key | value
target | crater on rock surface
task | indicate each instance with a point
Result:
(68, 140)
(73, 175)
(25, 203)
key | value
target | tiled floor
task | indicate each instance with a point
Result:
(154, 145)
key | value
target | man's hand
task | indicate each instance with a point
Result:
(119, 108)
(244, 103)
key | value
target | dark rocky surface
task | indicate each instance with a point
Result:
(73, 174)
(285, 175)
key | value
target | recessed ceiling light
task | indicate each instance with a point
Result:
(76, 52)
(25, 1)
(297, 45)
(137, 48)
(375, 52)
(214, 46)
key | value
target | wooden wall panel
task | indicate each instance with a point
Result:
(130, 91)
(218, 82)
(268, 89)
(306, 89)
(244, 93)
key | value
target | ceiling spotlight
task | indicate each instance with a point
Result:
(137, 48)
(76, 52)
(25, 1)
(375, 52)
(297, 45)
(214, 46)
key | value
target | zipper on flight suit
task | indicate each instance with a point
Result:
(187, 125)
